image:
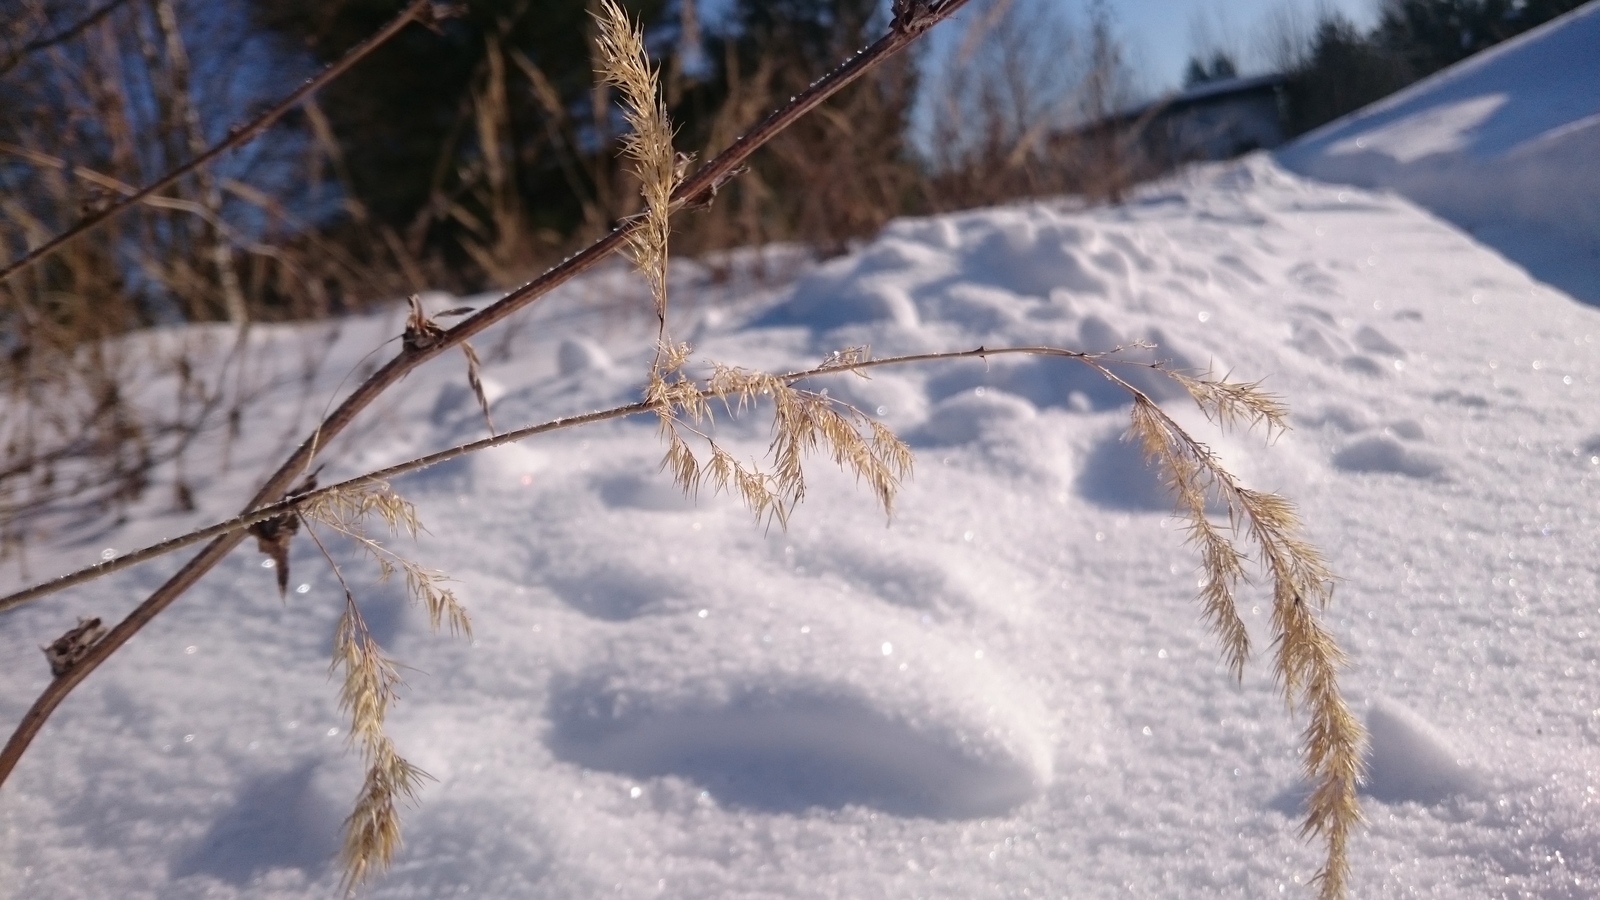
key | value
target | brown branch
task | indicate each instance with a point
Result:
(700, 188)
(60, 37)
(203, 211)
(237, 136)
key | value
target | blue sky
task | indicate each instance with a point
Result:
(1160, 33)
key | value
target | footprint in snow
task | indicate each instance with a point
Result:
(1117, 474)
(1589, 452)
(652, 492)
(283, 820)
(970, 415)
(613, 594)
(1395, 450)
(1407, 760)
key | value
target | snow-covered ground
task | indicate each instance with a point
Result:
(1505, 145)
(1005, 691)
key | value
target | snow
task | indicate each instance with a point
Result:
(1005, 690)
(1505, 145)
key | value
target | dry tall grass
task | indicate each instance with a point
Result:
(1027, 104)
(805, 422)
(91, 112)
(235, 244)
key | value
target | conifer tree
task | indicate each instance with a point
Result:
(1433, 34)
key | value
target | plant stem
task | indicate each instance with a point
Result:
(243, 521)
(237, 136)
(698, 189)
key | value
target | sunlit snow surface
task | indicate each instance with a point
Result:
(1505, 145)
(1005, 691)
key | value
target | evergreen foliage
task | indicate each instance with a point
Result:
(431, 143)
(1220, 68)
(489, 144)
(1346, 69)
(834, 176)
(1433, 34)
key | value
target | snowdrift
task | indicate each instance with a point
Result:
(1505, 145)
(1006, 691)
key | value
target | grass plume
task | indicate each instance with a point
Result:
(648, 143)
(369, 685)
(1306, 660)
(803, 422)
(369, 679)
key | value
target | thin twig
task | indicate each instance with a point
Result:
(237, 136)
(240, 523)
(699, 188)
(60, 37)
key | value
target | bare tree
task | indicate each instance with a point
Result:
(1107, 92)
(1284, 36)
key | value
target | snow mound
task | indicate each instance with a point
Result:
(1005, 690)
(1409, 760)
(795, 745)
(1388, 452)
(1505, 145)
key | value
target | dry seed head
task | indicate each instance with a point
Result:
(475, 381)
(347, 512)
(1307, 660)
(372, 831)
(626, 65)
(370, 681)
(849, 356)
(1229, 403)
(803, 422)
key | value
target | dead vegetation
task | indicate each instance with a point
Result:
(1257, 527)
(117, 214)
(112, 222)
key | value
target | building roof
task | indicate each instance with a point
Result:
(1209, 91)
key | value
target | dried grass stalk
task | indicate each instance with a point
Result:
(1307, 660)
(803, 423)
(626, 66)
(370, 680)
(370, 686)
(348, 511)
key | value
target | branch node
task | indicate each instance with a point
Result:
(912, 17)
(65, 651)
(421, 333)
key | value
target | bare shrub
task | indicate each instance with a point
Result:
(1030, 104)
(92, 108)
(1004, 89)
(833, 177)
